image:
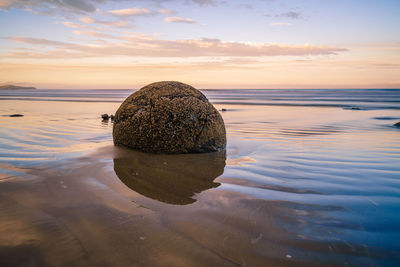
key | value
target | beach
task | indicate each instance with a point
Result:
(309, 178)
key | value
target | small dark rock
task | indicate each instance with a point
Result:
(397, 124)
(112, 117)
(16, 115)
(224, 109)
(105, 117)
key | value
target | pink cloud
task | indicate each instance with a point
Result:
(143, 45)
(131, 12)
(179, 20)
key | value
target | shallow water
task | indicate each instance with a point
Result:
(301, 183)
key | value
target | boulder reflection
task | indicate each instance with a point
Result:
(171, 179)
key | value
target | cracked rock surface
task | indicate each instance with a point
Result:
(169, 117)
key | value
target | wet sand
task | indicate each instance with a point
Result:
(81, 213)
(306, 186)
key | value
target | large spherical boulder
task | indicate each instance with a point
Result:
(169, 117)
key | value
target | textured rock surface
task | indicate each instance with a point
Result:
(169, 117)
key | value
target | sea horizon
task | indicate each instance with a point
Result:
(345, 98)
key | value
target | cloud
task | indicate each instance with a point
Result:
(71, 7)
(289, 15)
(166, 11)
(281, 24)
(180, 20)
(147, 46)
(117, 24)
(73, 25)
(88, 20)
(95, 34)
(53, 5)
(38, 41)
(247, 5)
(6, 3)
(85, 6)
(205, 2)
(131, 12)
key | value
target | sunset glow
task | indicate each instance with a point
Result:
(206, 43)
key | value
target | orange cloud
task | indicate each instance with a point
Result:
(131, 12)
(6, 3)
(73, 25)
(179, 20)
(166, 11)
(94, 34)
(143, 45)
(117, 24)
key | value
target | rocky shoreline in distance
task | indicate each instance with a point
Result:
(15, 87)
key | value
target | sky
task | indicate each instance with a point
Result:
(117, 44)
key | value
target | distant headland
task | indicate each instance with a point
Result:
(15, 87)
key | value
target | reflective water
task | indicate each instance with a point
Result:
(173, 179)
(349, 98)
(300, 185)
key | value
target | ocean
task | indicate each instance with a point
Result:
(310, 177)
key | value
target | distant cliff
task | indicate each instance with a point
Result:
(15, 87)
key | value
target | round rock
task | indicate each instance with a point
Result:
(169, 117)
